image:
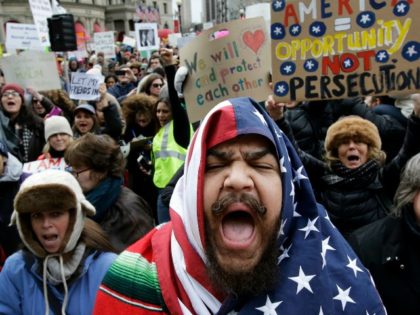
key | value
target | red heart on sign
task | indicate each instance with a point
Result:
(254, 40)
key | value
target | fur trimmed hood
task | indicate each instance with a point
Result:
(49, 190)
(352, 127)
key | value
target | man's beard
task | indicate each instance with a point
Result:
(244, 283)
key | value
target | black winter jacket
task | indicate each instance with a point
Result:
(390, 249)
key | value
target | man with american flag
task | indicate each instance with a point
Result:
(246, 235)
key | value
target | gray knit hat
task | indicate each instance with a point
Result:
(57, 124)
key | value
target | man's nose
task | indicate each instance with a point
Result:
(239, 178)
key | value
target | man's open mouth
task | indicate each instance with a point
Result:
(238, 229)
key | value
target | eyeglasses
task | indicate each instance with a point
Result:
(36, 101)
(157, 85)
(10, 93)
(76, 173)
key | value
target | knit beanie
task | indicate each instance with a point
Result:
(56, 124)
(50, 190)
(352, 127)
(14, 87)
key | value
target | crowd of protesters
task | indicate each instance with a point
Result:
(126, 152)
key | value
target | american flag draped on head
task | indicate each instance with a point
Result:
(319, 273)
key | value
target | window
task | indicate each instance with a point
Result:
(165, 8)
(155, 4)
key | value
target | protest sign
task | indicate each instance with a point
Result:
(230, 66)
(147, 36)
(42, 165)
(341, 49)
(34, 69)
(41, 10)
(173, 38)
(85, 86)
(22, 36)
(129, 41)
(104, 41)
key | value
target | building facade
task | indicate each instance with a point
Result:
(94, 15)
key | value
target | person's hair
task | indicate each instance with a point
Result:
(138, 103)
(159, 70)
(145, 88)
(153, 57)
(61, 99)
(98, 152)
(409, 184)
(111, 76)
(136, 64)
(95, 238)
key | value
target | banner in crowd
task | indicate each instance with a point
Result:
(104, 41)
(85, 86)
(129, 41)
(147, 36)
(42, 165)
(22, 36)
(41, 10)
(228, 60)
(341, 49)
(34, 69)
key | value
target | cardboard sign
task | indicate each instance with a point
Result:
(342, 49)
(233, 65)
(85, 86)
(42, 165)
(34, 69)
(129, 41)
(41, 10)
(173, 39)
(147, 36)
(104, 41)
(22, 36)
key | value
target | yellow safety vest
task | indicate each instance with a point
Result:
(168, 155)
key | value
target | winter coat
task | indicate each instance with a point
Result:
(11, 138)
(310, 122)
(390, 249)
(351, 206)
(21, 290)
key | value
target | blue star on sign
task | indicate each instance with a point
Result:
(281, 88)
(295, 30)
(311, 65)
(278, 5)
(411, 51)
(317, 29)
(401, 8)
(277, 31)
(382, 56)
(366, 19)
(288, 68)
(347, 63)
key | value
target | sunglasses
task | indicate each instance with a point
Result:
(10, 93)
(157, 85)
